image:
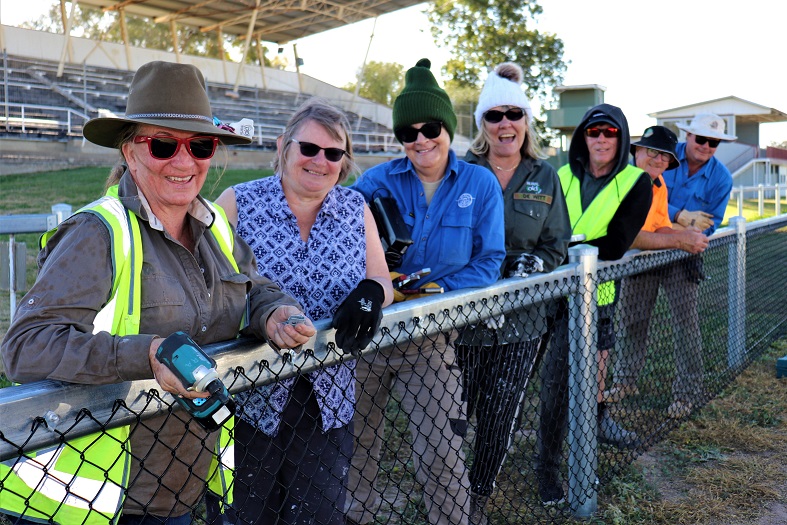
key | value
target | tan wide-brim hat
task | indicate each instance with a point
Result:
(163, 94)
(707, 125)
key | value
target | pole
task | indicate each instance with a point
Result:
(736, 294)
(363, 69)
(583, 385)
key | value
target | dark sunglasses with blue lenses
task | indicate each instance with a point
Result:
(309, 149)
(494, 116)
(430, 130)
(163, 148)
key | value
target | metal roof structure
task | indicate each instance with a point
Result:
(279, 21)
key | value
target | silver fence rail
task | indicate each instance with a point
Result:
(760, 192)
(741, 310)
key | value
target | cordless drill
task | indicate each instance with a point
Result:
(197, 371)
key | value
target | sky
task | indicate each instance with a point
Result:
(650, 56)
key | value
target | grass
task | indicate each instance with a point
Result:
(724, 466)
(751, 210)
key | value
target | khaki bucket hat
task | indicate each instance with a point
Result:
(163, 94)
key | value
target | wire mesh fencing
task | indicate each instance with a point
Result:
(505, 405)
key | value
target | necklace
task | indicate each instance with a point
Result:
(501, 168)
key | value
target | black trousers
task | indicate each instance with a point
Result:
(495, 380)
(298, 476)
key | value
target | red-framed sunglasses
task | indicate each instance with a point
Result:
(594, 133)
(163, 148)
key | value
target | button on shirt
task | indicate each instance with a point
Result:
(460, 235)
(707, 190)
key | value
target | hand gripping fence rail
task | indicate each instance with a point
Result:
(545, 429)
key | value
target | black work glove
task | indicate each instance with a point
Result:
(358, 317)
(524, 265)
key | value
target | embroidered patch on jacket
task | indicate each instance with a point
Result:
(547, 199)
(533, 187)
(465, 200)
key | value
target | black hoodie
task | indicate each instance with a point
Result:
(633, 210)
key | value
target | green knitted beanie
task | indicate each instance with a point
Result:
(422, 100)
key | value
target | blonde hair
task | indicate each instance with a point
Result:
(531, 146)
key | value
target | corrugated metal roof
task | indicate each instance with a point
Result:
(276, 21)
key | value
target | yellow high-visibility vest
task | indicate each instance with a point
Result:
(84, 480)
(593, 221)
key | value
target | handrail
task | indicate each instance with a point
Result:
(120, 404)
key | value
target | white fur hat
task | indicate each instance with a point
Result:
(503, 87)
(707, 125)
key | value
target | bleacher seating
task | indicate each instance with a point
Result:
(42, 104)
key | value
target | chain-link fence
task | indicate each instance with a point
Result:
(474, 406)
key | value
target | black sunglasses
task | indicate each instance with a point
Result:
(713, 143)
(430, 130)
(309, 149)
(494, 116)
(595, 132)
(163, 148)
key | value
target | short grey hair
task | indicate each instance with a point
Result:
(332, 119)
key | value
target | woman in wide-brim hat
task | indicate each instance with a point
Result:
(195, 276)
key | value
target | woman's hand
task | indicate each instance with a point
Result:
(287, 335)
(166, 379)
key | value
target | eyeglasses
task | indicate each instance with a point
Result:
(713, 143)
(654, 153)
(594, 133)
(430, 130)
(163, 148)
(309, 149)
(494, 116)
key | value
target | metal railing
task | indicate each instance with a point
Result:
(23, 117)
(762, 191)
(13, 225)
(744, 261)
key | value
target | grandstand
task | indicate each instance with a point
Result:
(45, 103)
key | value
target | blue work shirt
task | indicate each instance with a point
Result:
(707, 190)
(460, 236)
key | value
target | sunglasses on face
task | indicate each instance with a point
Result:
(163, 148)
(594, 133)
(430, 131)
(713, 143)
(654, 153)
(309, 149)
(494, 116)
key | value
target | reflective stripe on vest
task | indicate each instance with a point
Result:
(593, 221)
(56, 483)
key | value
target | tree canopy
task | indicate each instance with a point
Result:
(380, 82)
(485, 33)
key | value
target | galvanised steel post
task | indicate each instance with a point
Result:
(736, 294)
(583, 385)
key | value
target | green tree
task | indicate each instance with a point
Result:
(381, 82)
(484, 33)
